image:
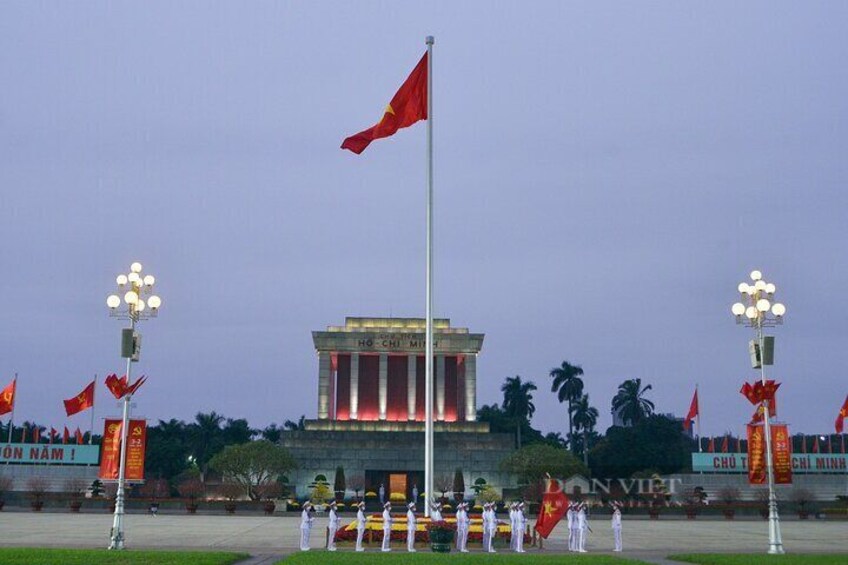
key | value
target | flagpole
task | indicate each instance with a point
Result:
(91, 428)
(428, 338)
(12, 415)
(700, 450)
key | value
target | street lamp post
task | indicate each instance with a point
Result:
(135, 286)
(759, 313)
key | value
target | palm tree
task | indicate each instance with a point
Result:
(206, 440)
(518, 402)
(585, 419)
(555, 439)
(630, 402)
(568, 385)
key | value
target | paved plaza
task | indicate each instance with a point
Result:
(279, 535)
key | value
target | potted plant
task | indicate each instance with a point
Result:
(267, 492)
(441, 536)
(801, 497)
(153, 490)
(5, 486)
(443, 485)
(692, 501)
(230, 491)
(191, 489)
(76, 487)
(729, 496)
(36, 487)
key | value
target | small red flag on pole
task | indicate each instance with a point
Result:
(66, 437)
(83, 401)
(840, 418)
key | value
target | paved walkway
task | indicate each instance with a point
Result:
(268, 538)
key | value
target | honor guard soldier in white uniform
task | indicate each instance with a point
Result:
(332, 526)
(493, 527)
(573, 536)
(583, 528)
(522, 524)
(616, 524)
(512, 525)
(462, 524)
(361, 521)
(306, 520)
(485, 516)
(411, 526)
(436, 511)
(387, 526)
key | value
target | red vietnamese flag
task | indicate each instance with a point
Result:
(693, 411)
(408, 106)
(78, 435)
(82, 401)
(7, 398)
(66, 437)
(554, 505)
(725, 444)
(52, 434)
(816, 445)
(36, 435)
(711, 446)
(23, 434)
(840, 418)
(118, 387)
(136, 385)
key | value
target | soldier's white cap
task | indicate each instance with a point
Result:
(361, 504)
(387, 504)
(520, 504)
(306, 505)
(411, 505)
(333, 503)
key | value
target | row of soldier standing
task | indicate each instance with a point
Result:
(576, 517)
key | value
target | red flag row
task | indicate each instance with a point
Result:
(119, 387)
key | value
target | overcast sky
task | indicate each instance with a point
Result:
(606, 174)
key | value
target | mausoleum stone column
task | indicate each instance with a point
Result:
(383, 386)
(410, 386)
(324, 368)
(354, 386)
(470, 387)
(440, 388)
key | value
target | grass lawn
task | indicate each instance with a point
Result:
(427, 558)
(33, 556)
(749, 558)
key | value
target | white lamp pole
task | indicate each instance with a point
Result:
(136, 286)
(759, 296)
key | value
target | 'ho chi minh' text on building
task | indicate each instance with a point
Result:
(371, 401)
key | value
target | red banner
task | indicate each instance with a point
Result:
(756, 455)
(136, 443)
(781, 452)
(111, 450)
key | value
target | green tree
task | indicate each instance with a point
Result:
(205, 439)
(585, 418)
(518, 402)
(656, 444)
(630, 402)
(272, 433)
(167, 451)
(236, 431)
(299, 425)
(533, 463)
(568, 385)
(555, 439)
(253, 464)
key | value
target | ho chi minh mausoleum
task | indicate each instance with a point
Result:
(371, 402)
